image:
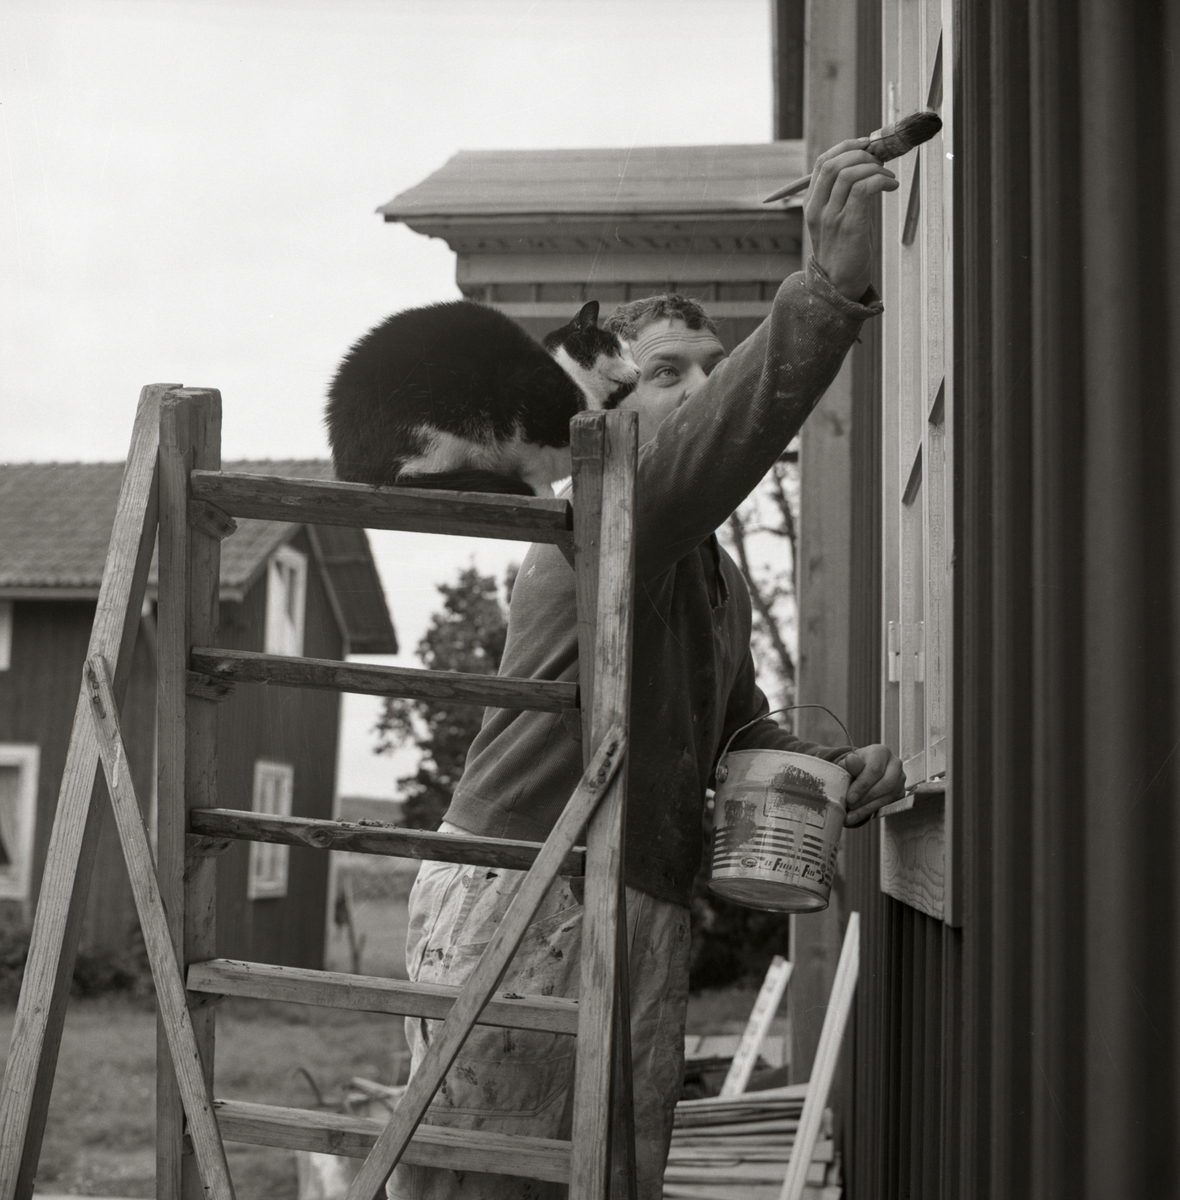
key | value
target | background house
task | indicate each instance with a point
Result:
(538, 232)
(288, 589)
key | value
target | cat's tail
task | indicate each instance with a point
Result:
(468, 481)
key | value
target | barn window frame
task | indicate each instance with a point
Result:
(917, 459)
(6, 618)
(274, 787)
(18, 831)
(286, 601)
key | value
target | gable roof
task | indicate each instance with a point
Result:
(56, 519)
(639, 180)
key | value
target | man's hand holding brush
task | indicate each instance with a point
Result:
(839, 210)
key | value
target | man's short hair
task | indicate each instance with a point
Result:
(628, 319)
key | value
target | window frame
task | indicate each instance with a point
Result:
(16, 878)
(917, 459)
(284, 628)
(269, 867)
(7, 619)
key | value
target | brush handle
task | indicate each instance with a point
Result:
(891, 141)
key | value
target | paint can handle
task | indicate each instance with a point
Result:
(722, 771)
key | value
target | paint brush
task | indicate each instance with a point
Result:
(890, 142)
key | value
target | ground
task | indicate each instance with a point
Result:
(99, 1137)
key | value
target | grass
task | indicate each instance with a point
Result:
(99, 1140)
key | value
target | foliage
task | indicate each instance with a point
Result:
(96, 973)
(467, 634)
(763, 537)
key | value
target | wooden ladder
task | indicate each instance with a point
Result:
(173, 484)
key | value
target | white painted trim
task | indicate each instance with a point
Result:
(286, 601)
(15, 877)
(267, 876)
(5, 634)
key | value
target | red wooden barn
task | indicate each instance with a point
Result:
(292, 589)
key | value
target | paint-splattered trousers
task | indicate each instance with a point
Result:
(520, 1081)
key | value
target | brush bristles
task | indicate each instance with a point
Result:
(902, 136)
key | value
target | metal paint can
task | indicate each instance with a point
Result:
(777, 820)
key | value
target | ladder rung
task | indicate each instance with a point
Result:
(326, 502)
(367, 993)
(320, 834)
(248, 666)
(432, 1145)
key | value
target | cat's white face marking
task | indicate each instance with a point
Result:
(609, 375)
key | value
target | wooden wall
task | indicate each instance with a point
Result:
(1033, 1052)
(38, 695)
(292, 725)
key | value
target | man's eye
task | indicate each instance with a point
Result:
(666, 373)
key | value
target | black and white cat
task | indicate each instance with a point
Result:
(459, 396)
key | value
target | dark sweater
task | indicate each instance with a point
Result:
(693, 679)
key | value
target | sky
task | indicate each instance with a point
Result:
(188, 192)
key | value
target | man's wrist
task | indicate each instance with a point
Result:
(868, 305)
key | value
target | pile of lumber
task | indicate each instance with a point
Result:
(738, 1147)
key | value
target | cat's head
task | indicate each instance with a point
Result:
(598, 361)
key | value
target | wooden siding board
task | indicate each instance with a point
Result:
(297, 726)
(1058, 1097)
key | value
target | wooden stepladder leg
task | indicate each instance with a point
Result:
(36, 1035)
(182, 1043)
(612, 438)
(190, 555)
(484, 980)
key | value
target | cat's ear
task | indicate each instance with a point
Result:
(588, 317)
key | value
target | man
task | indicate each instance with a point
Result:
(709, 430)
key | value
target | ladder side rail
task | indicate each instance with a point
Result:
(600, 1038)
(69, 862)
(190, 438)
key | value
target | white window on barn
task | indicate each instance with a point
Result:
(286, 601)
(273, 785)
(5, 634)
(19, 767)
(917, 439)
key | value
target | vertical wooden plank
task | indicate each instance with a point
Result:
(604, 842)
(190, 438)
(36, 1035)
(952, 913)
(890, 375)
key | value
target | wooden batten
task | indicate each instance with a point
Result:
(417, 510)
(320, 834)
(354, 1137)
(361, 993)
(248, 666)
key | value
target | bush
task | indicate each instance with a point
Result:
(100, 973)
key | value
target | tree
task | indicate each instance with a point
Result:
(467, 634)
(763, 537)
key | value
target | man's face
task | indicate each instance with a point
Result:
(673, 361)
